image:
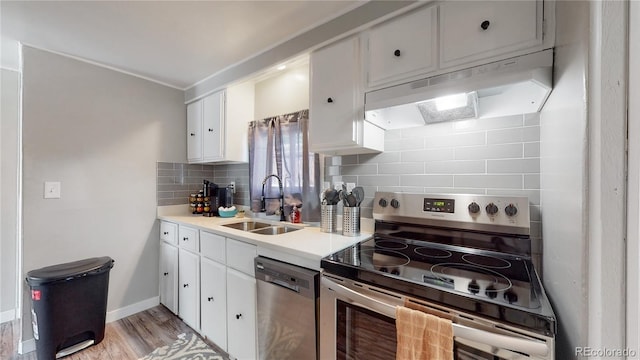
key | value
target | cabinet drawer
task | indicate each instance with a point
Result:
(169, 232)
(188, 238)
(473, 30)
(212, 246)
(240, 256)
(402, 47)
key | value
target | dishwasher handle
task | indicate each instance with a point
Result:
(284, 284)
(303, 281)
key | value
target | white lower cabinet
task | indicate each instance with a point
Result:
(213, 301)
(189, 288)
(208, 281)
(241, 315)
(169, 276)
(228, 295)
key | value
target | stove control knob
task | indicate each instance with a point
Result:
(491, 209)
(474, 208)
(473, 287)
(491, 292)
(395, 203)
(382, 202)
(511, 210)
(511, 297)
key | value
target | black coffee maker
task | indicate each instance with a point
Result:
(218, 197)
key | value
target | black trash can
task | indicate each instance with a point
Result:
(69, 305)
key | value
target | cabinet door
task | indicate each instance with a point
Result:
(213, 246)
(189, 238)
(213, 127)
(194, 131)
(189, 288)
(402, 47)
(336, 109)
(473, 30)
(169, 232)
(213, 302)
(240, 256)
(241, 320)
(169, 276)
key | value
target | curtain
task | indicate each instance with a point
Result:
(279, 145)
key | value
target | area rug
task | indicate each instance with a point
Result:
(185, 348)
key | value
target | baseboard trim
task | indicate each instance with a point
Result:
(26, 346)
(123, 312)
(8, 315)
(29, 345)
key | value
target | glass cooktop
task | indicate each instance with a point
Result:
(484, 275)
(497, 285)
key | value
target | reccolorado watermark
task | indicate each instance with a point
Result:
(604, 352)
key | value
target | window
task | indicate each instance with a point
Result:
(279, 146)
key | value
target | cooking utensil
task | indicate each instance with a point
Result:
(358, 191)
(343, 198)
(331, 197)
(351, 200)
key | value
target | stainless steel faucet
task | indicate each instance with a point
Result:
(262, 198)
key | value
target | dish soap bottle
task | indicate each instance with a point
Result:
(295, 215)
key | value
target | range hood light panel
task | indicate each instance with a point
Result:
(465, 106)
(451, 102)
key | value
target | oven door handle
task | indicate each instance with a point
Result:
(530, 347)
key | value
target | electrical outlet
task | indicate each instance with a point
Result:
(232, 185)
(52, 190)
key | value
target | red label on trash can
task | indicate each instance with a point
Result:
(35, 294)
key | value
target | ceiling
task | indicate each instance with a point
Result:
(177, 43)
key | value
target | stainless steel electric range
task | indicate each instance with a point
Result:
(466, 257)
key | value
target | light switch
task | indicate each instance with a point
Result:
(52, 190)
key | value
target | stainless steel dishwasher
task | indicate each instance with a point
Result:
(287, 311)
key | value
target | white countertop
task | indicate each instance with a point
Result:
(304, 247)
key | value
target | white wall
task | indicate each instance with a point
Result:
(9, 153)
(283, 93)
(633, 212)
(563, 160)
(607, 109)
(99, 133)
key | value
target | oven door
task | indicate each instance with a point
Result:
(357, 322)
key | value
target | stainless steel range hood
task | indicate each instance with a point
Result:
(518, 85)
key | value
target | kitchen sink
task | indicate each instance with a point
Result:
(247, 225)
(275, 230)
(262, 228)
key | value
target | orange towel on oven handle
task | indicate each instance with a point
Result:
(423, 336)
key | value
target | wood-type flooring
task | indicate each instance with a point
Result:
(129, 338)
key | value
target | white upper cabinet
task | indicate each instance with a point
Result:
(213, 134)
(205, 129)
(402, 47)
(474, 30)
(194, 131)
(336, 111)
(217, 125)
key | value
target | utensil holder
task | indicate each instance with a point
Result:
(351, 221)
(328, 218)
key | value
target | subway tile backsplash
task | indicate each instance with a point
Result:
(175, 181)
(499, 156)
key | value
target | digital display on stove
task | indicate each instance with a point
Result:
(438, 205)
